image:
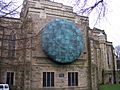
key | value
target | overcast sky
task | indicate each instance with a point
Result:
(111, 23)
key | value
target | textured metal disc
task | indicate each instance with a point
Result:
(62, 41)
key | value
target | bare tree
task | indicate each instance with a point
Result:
(87, 7)
(117, 50)
(84, 7)
(9, 8)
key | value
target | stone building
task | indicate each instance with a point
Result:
(25, 66)
(103, 57)
(118, 70)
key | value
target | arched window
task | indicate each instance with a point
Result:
(12, 43)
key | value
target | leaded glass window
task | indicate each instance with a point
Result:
(48, 79)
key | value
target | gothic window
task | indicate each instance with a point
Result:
(72, 78)
(48, 79)
(10, 78)
(12, 39)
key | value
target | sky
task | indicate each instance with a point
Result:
(110, 23)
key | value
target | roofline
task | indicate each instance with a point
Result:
(10, 18)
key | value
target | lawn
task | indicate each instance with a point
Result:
(110, 87)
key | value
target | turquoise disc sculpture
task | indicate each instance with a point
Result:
(62, 41)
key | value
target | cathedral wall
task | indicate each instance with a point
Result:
(40, 13)
(40, 65)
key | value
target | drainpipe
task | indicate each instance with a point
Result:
(114, 72)
(2, 46)
(89, 60)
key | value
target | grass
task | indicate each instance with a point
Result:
(110, 87)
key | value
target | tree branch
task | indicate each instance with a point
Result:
(8, 8)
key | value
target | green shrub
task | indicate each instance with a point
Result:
(110, 87)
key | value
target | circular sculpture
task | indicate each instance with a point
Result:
(62, 41)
